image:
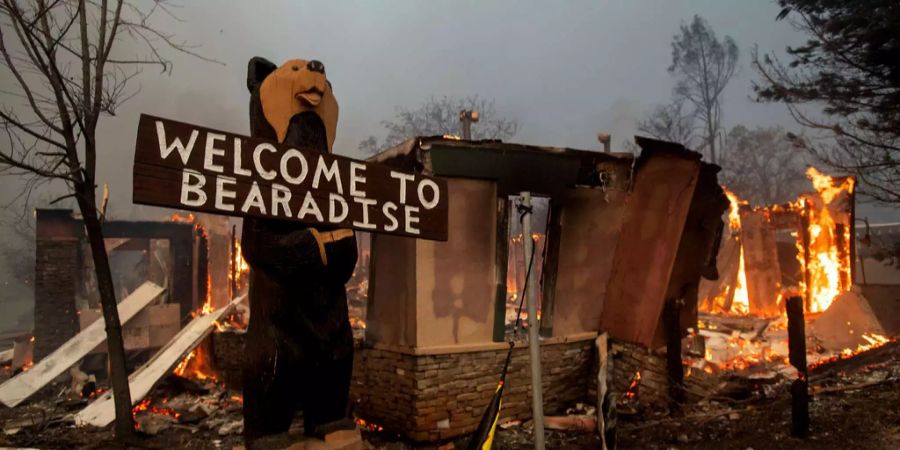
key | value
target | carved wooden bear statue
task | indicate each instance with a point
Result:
(299, 352)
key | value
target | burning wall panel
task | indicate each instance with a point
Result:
(717, 295)
(655, 214)
(761, 266)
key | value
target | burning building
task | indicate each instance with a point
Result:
(436, 324)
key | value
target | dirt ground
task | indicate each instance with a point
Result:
(857, 407)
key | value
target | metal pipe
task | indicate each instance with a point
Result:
(534, 343)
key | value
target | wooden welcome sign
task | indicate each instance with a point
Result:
(178, 165)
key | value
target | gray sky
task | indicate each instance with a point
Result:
(563, 70)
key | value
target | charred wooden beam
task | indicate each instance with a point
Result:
(551, 267)
(797, 355)
(805, 240)
(500, 267)
(674, 368)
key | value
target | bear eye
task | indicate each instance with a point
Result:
(295, 68)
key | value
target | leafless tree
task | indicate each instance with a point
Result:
(763, 166)
(66, 72)
(703, 66)
(670, 123)
(438, 117)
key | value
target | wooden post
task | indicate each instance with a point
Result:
(501, 261)
(852, 224)
(797, 355)
(551, 267)
(840, 240)
(674, 369)
(806, 242)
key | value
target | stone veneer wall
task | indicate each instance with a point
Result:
(429, 397)
(56, 277)
(653, 389)
(630, 358)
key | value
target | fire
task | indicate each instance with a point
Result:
(145, 406)
(631, 392)
(196, 364)
(739, 298)
(182, 218)
(237, 267)
(873, 340)
(362, 423)
(825, 257)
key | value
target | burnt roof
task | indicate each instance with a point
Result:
(515, 167)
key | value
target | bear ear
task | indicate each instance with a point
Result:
(257, 70)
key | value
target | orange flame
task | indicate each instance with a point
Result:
(631, 392)
(740, 299)
(827, 268)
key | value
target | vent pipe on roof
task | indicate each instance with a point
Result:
(466, 117)
(605, 139)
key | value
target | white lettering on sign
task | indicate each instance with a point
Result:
(183, 150)
(331, 174)
(254, 200)
(389, 209)
(310, 207)
(333, 201)
(243, 176)
(238, 169)
(357, 178)
(257, 161)
(365, 224)
(403, 178)
(212, 151)
(295, 154)
(412, 218)
(223, 186)
(192, 183)
(435, 193)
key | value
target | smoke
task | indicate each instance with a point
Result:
(564, 71)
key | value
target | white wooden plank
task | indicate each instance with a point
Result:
(17, 389)
(101, 412)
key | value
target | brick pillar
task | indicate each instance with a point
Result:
(56, 277)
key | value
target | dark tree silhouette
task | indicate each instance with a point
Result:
(850, 65)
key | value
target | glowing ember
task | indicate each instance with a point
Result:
(145, 406)
(873, 340)
(631, 392)
(368, 425)
(182, 218)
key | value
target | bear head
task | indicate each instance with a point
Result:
(292, 104)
